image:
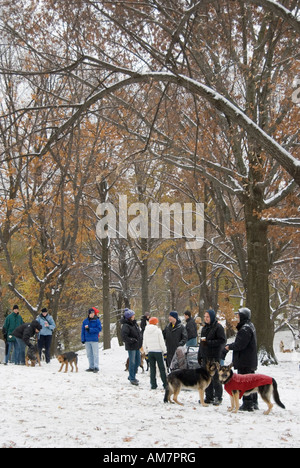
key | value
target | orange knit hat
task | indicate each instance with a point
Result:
(153, 321)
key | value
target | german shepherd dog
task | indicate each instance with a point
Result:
(196, 379)
(32, 355)
(66, 359)
(238, 385)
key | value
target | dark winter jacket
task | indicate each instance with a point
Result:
(191, 328)
(247, 382)
(214, 344)
(131, 334)
(245, 347)
(27, 331)
(12, 322)
(174, 336)
(144, 322)
(91, 333)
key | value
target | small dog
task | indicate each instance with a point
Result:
(66, 359)
(33, 356)
(196, 379)
(238, 385)
(282, 350)
(143, 357)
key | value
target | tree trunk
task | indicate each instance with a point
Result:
(144, 277)
(103, 192)
(106, 304)
(257, 294)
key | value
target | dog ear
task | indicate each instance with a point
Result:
(231, 365)
(218, 366)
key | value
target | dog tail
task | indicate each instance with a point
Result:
(166, 399)
(276, 395)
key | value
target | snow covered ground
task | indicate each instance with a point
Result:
(42, 408)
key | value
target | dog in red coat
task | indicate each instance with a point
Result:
(238, 385)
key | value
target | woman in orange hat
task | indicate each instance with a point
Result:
(155, 347)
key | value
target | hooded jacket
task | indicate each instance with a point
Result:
(131, 334)
(154, 340)
(215, 340)
(245, 346)
(174, 336)
(91, 333)
(27, 331)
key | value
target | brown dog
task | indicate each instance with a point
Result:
(143, 357)
(33, 356)
(66, 359)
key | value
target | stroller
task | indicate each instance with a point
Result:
(185, 358)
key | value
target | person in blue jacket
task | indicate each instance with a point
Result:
(91, 327)
(45, 335)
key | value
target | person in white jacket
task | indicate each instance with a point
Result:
(155, 348)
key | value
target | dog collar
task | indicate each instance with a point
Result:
(228, 380)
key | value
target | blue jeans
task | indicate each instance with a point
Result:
(134, 363)
(192, 342)
(92, 352)
(20, 352)
(11, 348)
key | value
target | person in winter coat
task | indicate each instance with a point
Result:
(145, 321)
(175, 335)
(245, 353)
(191, 329)
(23, 334)
(45, 335)
(155, 348)
(90, 330)
(12, 321)
(132, 337)
(211, 345)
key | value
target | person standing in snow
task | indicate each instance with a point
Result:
(145, 321)
(245, 353)
(212, 343)
(175, 335)
(45, 335)
(12, 321)
(191, 329)
(90, 330)
(132, 337)
(155, 347)
(23, 334)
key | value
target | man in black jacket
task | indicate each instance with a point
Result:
(23, 333)
(245, 353)
(175, 335)
(211, 345)
(191, 329)
(132, 337)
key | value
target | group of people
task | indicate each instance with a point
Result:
(161, 345)
(17, 335)
(158, 345)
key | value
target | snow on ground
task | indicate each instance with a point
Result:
(41, 408)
